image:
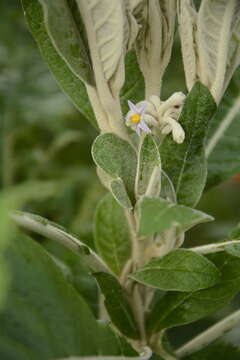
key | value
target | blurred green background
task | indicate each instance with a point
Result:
(43, 137)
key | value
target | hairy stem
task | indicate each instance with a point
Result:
(46, 229)
(158, 348)
(209, 335)
(212, 248)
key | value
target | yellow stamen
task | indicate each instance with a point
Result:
(135, 118)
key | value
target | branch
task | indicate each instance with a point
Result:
(209, 335)
(46, 228)
(212, 248)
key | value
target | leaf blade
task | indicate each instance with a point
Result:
(157, 215)
(148, 160)
(117, 158)
(111, 234)
(66, 38)
(185, 163)
(180, 270)
(175, 308)
(40, 300)
(71, 85)
(117, 305)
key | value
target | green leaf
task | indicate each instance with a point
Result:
(146, 355)
(219, 350)
(148, 161)
(176, 308)
(167, 188)
(120, 194)
(157, 215)
(112, 236)
(117, 305)
(185, 163)
(56, 233)
(134, 87)
(235, 233)
(117, 158)
(180, 270)
(233, 249)
(68, 81)
(39, 302)
(66, 37)
(223, 141)
(76, 273)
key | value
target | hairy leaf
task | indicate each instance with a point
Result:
(120, 194)
(39, 302)
(157, 215)
(104, 22)
(133, 88)
(177, 308)
(180, 270)
(185, 163)
(68, 81)
(222, 147)
(215, 24)
(112, 236)
(148, 161)
(66, 38)
(117, 158)
(187, 19)
(117, 305)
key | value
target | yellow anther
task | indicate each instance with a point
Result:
(135, 118)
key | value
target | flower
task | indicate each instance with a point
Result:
(135, 118)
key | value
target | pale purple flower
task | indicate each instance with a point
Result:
(135, 118)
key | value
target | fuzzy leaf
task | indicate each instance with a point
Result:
(235, 233)
(66, 38)
(185, 163)
(120, 194)
(148, 160)
(223, 141)
(112, 237)
(104, 22)
(117, 158)
(73, 87)
(187, 20)
(234, 249)
(39, 301)
(180, 270)
(216, 21)
(133, 88)
(167, 188)
(154, 43)
(117, 305)
(157, 215)
(176, 308)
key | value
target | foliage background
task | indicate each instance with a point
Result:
(43, 137)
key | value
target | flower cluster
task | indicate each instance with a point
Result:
(154, 114)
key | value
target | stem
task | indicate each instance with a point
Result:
(46, 229)
(209, 335)
(158, 347)
(138, 309)
(136, 253)
(212, 248)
